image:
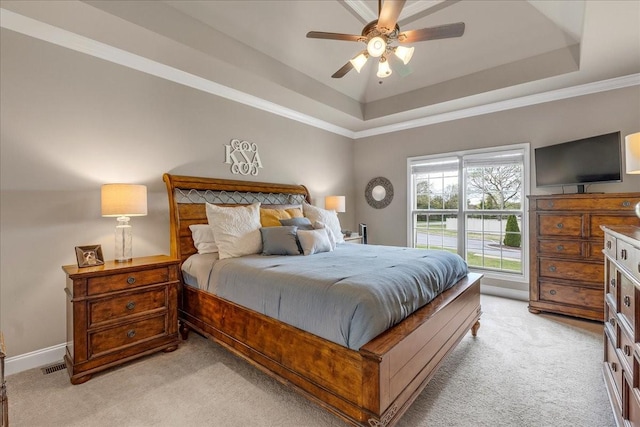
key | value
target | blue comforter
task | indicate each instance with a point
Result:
(348, 296)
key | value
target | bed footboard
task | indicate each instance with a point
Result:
(371, 387)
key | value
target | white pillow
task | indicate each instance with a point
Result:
(329, 218)
(236, 229)
(314, 241)
(332, 239)
(203, 239)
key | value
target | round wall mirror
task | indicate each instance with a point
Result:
(379, 192)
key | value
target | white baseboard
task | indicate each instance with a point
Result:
(34, 359)
(504, 292)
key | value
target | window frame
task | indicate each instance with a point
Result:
(463, 210)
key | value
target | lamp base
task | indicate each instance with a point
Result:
(123, 240)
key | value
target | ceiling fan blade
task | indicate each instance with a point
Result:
(432, 33)
(342, 71)
(335, 36)
(389, 15)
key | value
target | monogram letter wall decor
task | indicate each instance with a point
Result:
(243, 157)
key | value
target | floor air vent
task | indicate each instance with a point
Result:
(54, 368)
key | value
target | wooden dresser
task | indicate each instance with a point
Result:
(566, 241)
(622, 328)
(120, 311)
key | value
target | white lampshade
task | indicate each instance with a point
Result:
(383, 68)
(124, 200)
(632, 151)
(336, 203)
(359, 61)
(376, 46)
(404, 53)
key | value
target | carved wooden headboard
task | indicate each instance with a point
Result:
(188, 195)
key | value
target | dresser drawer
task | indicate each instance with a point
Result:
(610, 245)
(634, 407)
(115, 338)
(571, 270)
(571, 295)
(627, 304)
(610, 221)
(611, 285)
(570, 248)
(625, 352)
(613, 203)
(611, 324)
(614, 371)
(116, 308)
(629, 257)
(122, 281)
(560, 225)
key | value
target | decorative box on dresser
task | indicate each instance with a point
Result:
(118, 312)
(566, 241)
(622, 328)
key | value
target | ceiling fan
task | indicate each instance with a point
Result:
(379, 36)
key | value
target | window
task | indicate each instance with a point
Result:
(472, 203)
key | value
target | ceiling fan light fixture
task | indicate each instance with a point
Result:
(384, 70)
(404, 53)
(359, 61)
(376, 46)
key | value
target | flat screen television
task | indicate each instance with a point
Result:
(581, 162)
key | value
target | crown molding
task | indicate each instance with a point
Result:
(49, 33)
(510, 104)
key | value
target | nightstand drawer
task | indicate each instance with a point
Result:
(117, 282)
(571, 270)
(109, 309)
(560, 225)
(126, 335)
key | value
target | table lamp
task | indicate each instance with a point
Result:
(122, 201)
(336, 203)
(632, 152)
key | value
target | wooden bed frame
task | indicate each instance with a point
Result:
(373, 386)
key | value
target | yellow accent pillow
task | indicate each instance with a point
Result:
(272, 217)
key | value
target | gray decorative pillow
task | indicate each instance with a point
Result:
(279, 241)
(314, 241)
(301, 223)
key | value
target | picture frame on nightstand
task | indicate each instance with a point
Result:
(89, 256)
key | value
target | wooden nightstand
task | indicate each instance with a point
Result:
(118, 312)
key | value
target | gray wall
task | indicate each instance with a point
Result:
(71, 123)
(539, 125)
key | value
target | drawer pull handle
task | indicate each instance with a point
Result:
(131, 280)
(131, 305)
(608, 244)
(627, 300)
(550, 204)
(623, 254)
(613, 283)
(552, 291)
(559, 225)
(614, 367)
(613, 322)
(560, 248)
(639, 267)
(626, 203)
(627, 350)
(131, 333)
(552, 268)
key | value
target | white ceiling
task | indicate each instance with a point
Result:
(510, 50)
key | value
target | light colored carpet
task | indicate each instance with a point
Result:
(522, 370)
